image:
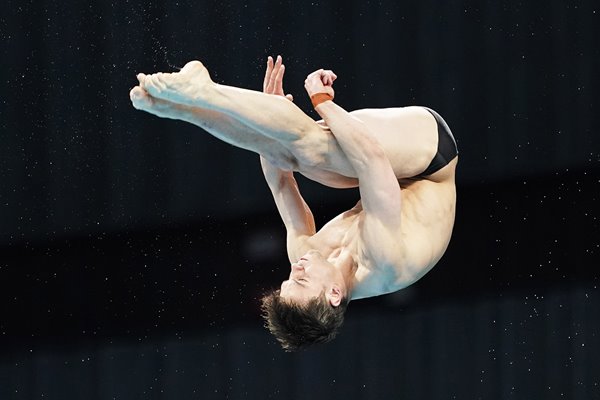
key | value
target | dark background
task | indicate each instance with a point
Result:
(133, 250)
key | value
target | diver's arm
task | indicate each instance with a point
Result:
(295, 213)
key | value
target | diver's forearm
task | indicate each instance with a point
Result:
(352, 135)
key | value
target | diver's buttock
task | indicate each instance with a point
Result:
(447, 149)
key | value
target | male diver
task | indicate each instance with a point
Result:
(403, 161)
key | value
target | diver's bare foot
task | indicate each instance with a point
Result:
(191, 86)
(140, 99)
(161, 108)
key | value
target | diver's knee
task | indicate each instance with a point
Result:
(310, 148)
(281, 159)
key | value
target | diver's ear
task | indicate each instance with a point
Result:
(334, 295)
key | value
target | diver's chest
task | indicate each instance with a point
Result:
(342, 231)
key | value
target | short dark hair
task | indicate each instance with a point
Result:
(297, 326)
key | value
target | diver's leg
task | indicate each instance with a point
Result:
(273, 116)
(219, 125)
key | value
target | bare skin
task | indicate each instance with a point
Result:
(391, 238)
(293, 140)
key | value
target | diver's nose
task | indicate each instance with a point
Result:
(297, 267)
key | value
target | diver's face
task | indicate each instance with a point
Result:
(309, 277)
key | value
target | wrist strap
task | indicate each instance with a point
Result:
(319, 98)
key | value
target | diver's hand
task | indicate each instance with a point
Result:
(320, 81)
(273, 83)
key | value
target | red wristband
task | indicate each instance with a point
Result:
(319, 98)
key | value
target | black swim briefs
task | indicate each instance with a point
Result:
(447, 148)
